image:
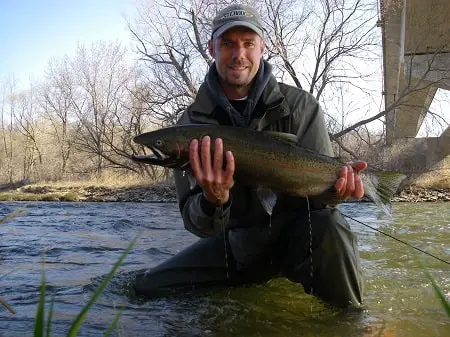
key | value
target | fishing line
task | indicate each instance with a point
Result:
(224, 233)
(393, 237)
(311, 271)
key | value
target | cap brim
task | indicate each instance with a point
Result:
(230, 25)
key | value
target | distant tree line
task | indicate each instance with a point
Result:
(80, 119)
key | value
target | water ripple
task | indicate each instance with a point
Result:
(76, 244)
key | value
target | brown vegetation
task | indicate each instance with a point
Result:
(160, 192)
(107, 188)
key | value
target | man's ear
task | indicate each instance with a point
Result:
(263, 46)
(211, 48)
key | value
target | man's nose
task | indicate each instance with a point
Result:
(238, 52)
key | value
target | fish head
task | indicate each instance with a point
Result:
(169, 148)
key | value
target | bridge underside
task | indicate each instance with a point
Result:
(416, 55)
(416, 52)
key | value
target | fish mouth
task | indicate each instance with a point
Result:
(158, 154)
(159, 158)
(156, 157)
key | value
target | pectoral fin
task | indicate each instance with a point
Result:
(191, 179)
(268, 199)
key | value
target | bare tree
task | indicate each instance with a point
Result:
(172, 44)
(7, 130)
(56, 104)
(101, 77)
(172, 40)
(27, 124)
(89, 108)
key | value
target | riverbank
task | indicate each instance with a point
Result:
(161, 192)
(91, 193)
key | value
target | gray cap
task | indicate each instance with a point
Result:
(236, 15)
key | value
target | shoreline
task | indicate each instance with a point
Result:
(161, 192)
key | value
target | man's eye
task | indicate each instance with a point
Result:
(249, 44)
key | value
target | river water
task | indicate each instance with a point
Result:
(80, 242)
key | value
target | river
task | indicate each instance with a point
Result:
(80, 242)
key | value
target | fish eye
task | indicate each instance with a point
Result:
(159, 142)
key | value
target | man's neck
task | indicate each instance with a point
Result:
(235, 92)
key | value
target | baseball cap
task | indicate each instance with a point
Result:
(236, 15)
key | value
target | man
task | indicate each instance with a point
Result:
(303, 240)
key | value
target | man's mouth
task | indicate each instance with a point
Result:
(238, 67)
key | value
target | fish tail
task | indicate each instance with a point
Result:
(380, 187)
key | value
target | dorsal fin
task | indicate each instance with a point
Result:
(288, 137)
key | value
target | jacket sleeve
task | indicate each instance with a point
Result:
(309, 124)
(198, 220)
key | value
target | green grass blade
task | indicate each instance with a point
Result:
(439, 293)
(7, 306)
(14, 214)
(76, 325)
(39, 322)
(437, 289)
(113, 324)
(49, 317)
(6, 274)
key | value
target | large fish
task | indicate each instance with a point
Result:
(272, 162)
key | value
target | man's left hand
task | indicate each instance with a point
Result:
(349, 184)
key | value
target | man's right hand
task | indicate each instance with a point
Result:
(215, 181)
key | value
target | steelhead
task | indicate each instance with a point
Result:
(272, 162)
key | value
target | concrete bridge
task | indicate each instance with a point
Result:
(416, 56)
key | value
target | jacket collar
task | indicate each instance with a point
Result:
(203, 104)
(275, 105)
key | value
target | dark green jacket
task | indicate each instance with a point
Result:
(281, 108)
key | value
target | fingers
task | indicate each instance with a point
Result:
(194, 160)
(349, 183)
(229, 171)
(205, 156)
(359, 166)
(209, 171)
(350, 188)
(342, 183)
(359, 187)
(218, 155)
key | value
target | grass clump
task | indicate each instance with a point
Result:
(70, 196)
(438, 291)
(27, 196)
(109, 179)
(19, 196)
(42, 325)
(43, 328)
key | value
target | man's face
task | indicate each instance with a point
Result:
(238, 53)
